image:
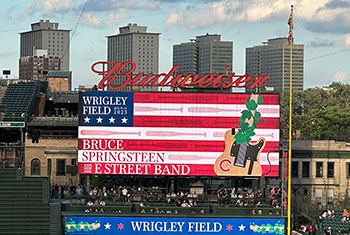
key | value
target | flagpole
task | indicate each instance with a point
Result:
(290, 38)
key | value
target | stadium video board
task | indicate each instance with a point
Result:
(149, 225)
(178, 134)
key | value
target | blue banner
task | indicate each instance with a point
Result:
(142, 225)
(106, 109)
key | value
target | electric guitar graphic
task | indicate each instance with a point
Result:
(240, 159)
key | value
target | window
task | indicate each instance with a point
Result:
(60, 167)
(319, 195)
(306, 192)
(348, 170)
(330, 169)
(295, 169)
(329, 195)
(48, 167)
(319, 169)
(306, 170)
(74, 163)
(35, 167)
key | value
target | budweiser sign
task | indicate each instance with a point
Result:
(169, 79)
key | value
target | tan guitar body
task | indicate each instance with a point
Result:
(224, 165)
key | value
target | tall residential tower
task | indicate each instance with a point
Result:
(273, 59)
(45, 35)
(203, 55)
(134, 43)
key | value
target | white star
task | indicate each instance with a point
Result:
(87, 120)
(99, 120)
(124, 120)
(111, 120)
(108, 226)
(241, 227)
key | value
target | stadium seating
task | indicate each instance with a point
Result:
(24, 203)
(18, 100)
(336, 224)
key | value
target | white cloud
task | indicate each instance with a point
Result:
(175, 18)
(102, 19)
(155, 5)
(347, 40)
(310, 12)
(57, 5)
(51, 5)
(341, 77)
(318, 42)
(30, 8)
(116, 17)
(92, 20)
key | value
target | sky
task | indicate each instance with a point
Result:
(323, 26)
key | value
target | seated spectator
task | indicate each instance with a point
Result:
(270, 212)
(253, 212)
(101, 210)
(168, 198)
(303, 228)
(169, 211)
(184, 204)
(310, 229)
(79, 192)
(328, 231)
(90, 203)
(173, 196)
(324, 214)
(176, 211)
(142, 204)
(260, 212)
(143, 211)
(87, 210)
(202, 211)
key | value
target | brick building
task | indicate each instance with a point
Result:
(37, 67)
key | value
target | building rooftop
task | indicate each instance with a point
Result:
(54, 73)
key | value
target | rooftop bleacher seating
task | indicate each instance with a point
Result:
(18, 100)
(336, 224)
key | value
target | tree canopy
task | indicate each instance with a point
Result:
(318, 113)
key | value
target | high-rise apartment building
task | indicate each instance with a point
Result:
(203, 55)
(273, 59)
(134, 43)
(45, 35)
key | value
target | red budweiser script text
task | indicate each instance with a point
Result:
(179, 80)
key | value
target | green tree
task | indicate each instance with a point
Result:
(318, 113)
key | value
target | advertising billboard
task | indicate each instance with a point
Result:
(142, 225)
(178, 134)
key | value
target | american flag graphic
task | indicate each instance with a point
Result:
(167, 133)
